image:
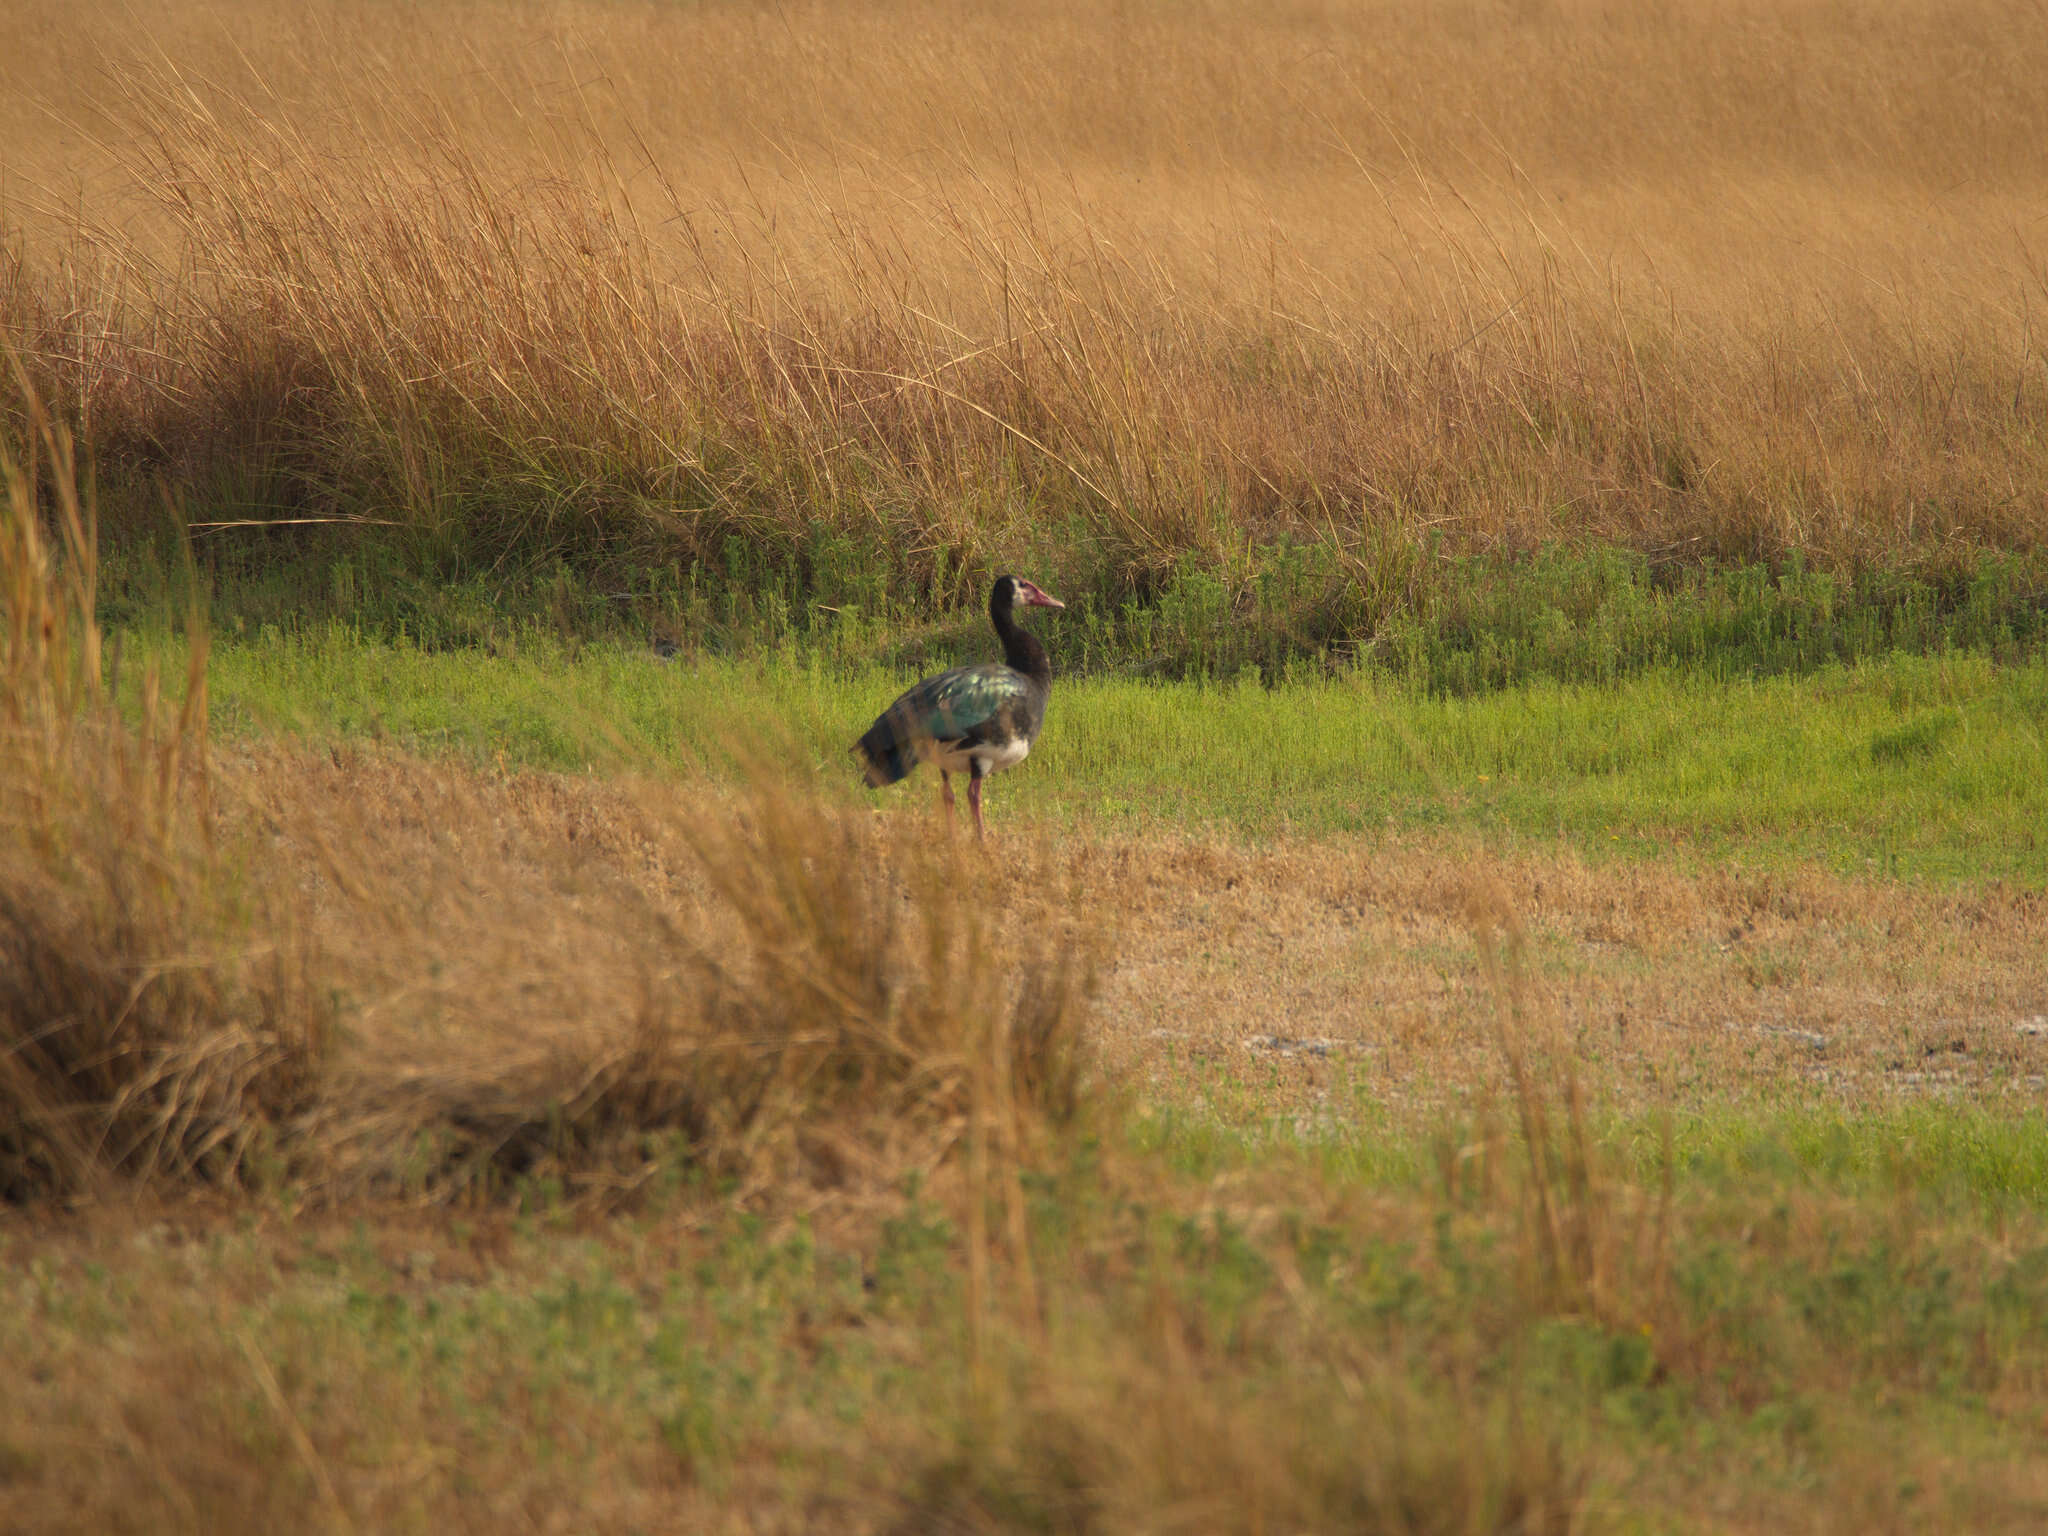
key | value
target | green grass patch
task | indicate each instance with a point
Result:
(1985, 1157)
(1908, 766)
(1426, 617)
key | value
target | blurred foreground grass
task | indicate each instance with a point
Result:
(1779, 1342)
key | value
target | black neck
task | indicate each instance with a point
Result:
(1020, 647)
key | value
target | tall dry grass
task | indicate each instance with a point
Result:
(159, 1014)
(1593, 1244)
(1126, 289)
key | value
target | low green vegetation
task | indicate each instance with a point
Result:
(1980, 1155)
(1401, 608)
(1924, 767)
(1773, 1341)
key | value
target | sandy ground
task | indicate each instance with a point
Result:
(1357, 966)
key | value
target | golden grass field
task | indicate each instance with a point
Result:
(392, 1141)
(1706, 278)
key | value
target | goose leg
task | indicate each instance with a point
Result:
(974, 801)
(946, 794)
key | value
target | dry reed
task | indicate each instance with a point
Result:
(1723, 282)
(152, 1022)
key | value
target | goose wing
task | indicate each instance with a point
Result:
(966, 704)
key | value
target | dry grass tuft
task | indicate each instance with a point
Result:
(782, 995)
(1140, 1447)
(1596, 1246)
(1158, 1424)
(888, 971)
(159, 1013)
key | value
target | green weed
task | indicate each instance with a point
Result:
(1293, 607)
(1667, 763)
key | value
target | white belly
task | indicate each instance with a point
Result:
(958, 757)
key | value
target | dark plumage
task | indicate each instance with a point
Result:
(973, 720)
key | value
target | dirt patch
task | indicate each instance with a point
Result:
(1308, 972)
(1321, 970)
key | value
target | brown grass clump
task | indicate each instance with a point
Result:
(775, 992)
(1594, 1245)
(1136, 1436)
(159, 1015)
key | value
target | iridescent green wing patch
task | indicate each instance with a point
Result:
(955, 704)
